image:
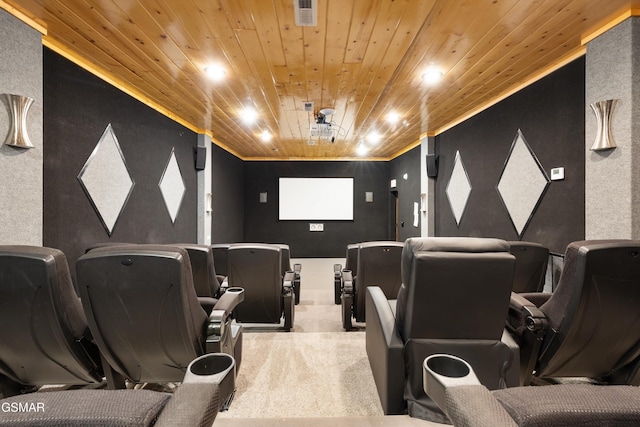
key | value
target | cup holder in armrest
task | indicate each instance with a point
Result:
(235, 290)
(440, 371)
(214, 368)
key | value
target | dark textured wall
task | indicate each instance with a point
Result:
(227, 189)
(551, 115)
(370, 219)
(78, 107)
(407, 191)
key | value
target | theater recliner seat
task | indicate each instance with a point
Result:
(378, 264)
(454, 299)
(44, 338)
(144, 315)
(269, 292)
(590, 325)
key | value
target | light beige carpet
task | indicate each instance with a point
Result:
(318, 370)
(319, 374)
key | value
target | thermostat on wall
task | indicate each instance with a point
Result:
(557, 174)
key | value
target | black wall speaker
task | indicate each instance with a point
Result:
(200, 156)
(432, 165)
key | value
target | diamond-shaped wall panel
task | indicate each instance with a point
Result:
(172, 186)
(522, 183)
(459, 188)
(106, 180)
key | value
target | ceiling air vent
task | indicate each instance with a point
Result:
(307, 106)
(306, 13)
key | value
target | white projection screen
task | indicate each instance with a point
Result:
(316, 199)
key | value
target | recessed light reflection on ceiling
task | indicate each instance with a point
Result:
(266, 136)
(249, 115)
(432, 76)
(215, 72)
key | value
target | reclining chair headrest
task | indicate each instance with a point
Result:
(456, 244)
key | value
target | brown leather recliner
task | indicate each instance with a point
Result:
(144, 314)
(44, 338)
(378, 264)
(269, 292)
(590, 325)
(453, 299)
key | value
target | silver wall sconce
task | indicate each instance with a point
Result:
(603, 111)
(19, 107)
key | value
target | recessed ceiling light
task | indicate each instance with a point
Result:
(215, 72)
(249, 115)
(374, 137)
(393, 117)
(362, 150)
(266, 136)
(432, 76)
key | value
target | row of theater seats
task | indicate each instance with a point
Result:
(456, 298)
(378, 263)
(264, 271)
(146, 313)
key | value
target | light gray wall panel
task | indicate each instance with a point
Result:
(20, 169)
(611, 184)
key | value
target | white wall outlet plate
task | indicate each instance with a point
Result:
(316, 227)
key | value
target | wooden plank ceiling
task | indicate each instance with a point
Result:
(364, 59)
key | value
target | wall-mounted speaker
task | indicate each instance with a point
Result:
(432, 165)
(200, 157)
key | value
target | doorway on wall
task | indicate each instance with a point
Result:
(394, 231)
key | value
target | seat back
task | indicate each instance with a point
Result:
(531, 266)
(257, 269)
(142, 309)
(378, 265)
(42, 325)
(202, 267)
(454, 288)
(594, 313)
(351, 260)
(285, 258)
(220, 257)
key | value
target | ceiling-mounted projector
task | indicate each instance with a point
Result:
(321, 130)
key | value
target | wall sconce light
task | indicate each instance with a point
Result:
(19, 107)
(209, 203)
(368, 196)
(603, 111)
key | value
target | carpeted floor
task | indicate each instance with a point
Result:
(316, 372)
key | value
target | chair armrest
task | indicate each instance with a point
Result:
(528, 324)
(221, 312)
(385, 351)
(348, 285)
(288, 282)
(524, 313)
(337, 282)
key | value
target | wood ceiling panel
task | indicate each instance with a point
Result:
(364, 59)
